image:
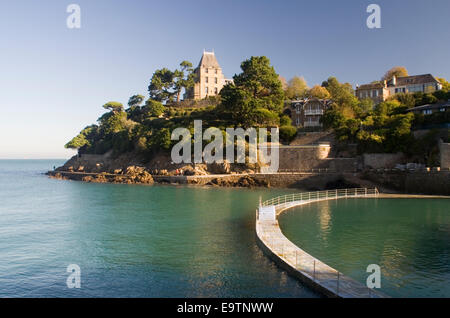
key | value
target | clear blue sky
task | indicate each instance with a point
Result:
(54, 80)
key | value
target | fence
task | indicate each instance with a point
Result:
(320, 195)
(303, 263)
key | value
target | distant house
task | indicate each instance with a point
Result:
(307, 112)
(209, 78)
(380, 91)
(431, 108)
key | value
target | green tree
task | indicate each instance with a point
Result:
(83, 139)
(114, 106)
(135, 100)
(343, 97)
(183, 78)
(297, 88)
(257, 87)
(398, 71)
(161, 85)
(153, 108)
(366, 105)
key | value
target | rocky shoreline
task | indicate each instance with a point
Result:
(138, 175)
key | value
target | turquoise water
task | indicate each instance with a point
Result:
(131, 240)
(408, 238)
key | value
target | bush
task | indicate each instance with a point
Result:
(265, 117)
(285, 121)
(288, 133)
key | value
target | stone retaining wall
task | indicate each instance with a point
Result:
(445, 155)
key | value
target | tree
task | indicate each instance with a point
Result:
(318, 92)
(257, 87)
(398, 71)
(135, 100)
(366, 105)
(114, 106)
(445, 84)
(342, 95)
(153, 108)
(183, 78)
(296, 88)
(83, 139)
(284, 83)
(161, 84)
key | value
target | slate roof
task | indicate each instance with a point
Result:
(208, 60)
(415, 80)
(431, 106)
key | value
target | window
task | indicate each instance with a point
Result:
(206, 90)
(215, 80)
(297, 121)
(427, 112)
(375, 93)
(215, 90)
(206, 80)
(206, 70)
(216, 70)
(442, 109)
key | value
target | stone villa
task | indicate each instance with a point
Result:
(380, 91)
(307, 112)
(209, 79)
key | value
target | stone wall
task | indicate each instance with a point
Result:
(418, 182)
(382, 160)
(445, 155)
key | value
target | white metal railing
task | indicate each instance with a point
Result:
(314, 112)
(321, 195)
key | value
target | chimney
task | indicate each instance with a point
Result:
(385, 84)
(394, 80)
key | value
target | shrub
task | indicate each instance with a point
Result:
(288, 133)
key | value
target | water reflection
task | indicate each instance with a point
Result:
(408, 238)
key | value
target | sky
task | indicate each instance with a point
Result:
(54, 80)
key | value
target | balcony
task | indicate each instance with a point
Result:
(313, 111)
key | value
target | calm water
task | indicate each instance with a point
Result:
(130, 241)
(408, 238)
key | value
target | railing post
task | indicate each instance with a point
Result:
(338, 283)
(314, 271)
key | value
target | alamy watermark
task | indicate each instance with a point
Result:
(259, 150)
(73, 21)
(74, 279)
(374, 279)
(374, 19)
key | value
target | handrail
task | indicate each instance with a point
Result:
(319, 195)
